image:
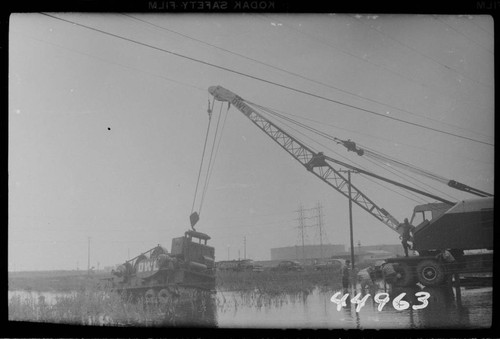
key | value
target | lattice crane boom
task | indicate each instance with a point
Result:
(312, 161)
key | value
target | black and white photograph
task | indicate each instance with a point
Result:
(251, 169)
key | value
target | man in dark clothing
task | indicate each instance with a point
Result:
(346, 275)
(405, 235)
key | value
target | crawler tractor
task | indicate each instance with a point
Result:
(159, 276)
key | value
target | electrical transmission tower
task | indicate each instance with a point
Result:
(319, 217)
(301, 227)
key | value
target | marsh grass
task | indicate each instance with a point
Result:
(104, 308)
(93, 304)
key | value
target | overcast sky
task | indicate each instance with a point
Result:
(106, 135)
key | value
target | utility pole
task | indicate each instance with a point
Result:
(320, 225)
(245, 247)
(350, 219)
(88, 257)
(227, 252)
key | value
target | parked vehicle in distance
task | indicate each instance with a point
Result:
(289, 265)
(249, 265)
(239, 266)
(330, 264)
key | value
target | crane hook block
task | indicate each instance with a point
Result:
(351, 146)
(193, 218)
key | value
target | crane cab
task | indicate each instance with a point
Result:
(467, 225)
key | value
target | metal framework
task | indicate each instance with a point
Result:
(312, 161)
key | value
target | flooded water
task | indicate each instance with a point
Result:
(472, 308)
(315, 310)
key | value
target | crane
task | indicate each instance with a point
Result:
(316, 162)
(454, 226)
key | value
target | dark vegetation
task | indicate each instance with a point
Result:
(91, 303)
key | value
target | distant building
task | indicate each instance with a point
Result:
(306, 252)
(312, 253)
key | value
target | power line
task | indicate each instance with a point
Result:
(438, 18)
(296, 74)
(425, 55)
(114, 63)
(336, 48)
(480, 27)
(267, 81)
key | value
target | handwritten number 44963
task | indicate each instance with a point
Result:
(381, 298)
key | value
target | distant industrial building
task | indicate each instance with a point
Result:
(306, 252)
(310, 253)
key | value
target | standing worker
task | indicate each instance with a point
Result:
(406, 235)
(346, 275)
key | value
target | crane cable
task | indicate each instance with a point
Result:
(387, 160)
(352, 146)
(213, 155)
(194, 218)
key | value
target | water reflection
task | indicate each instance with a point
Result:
(315, 310)
(447, 308)
(196, 310)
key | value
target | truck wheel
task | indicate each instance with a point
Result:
(430, 273)
(405, 275)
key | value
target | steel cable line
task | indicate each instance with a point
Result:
(210, 161)
(437, 18)
(311, 129)
(387, 159)
(301, 76)
(328, 148)
(376, 156)
(411, 179)
(320, 133)
(113, 63)
(481, 28)
(216, 148)
(202, 158)
(268, 81)
(353, 131)
(424, 55)
(332, 138)
(404, 177)
(433, 88)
